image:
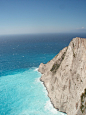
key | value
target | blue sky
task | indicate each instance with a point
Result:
(42, 16)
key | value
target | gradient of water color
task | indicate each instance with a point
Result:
(21, 92)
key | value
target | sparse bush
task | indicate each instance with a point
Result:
(58, 63)
(83, 103)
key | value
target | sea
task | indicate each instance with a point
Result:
(21, 91)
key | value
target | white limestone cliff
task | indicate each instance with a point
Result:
(65, 78)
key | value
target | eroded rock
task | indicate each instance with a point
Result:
(65, 78)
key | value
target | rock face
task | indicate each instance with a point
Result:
(65, 78)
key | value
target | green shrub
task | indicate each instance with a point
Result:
(55, 67)
(57, 64)
(83, 104)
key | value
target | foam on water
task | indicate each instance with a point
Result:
(50, 108)
(23, 94)
(36, 69)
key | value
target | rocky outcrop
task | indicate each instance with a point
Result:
(65, 78)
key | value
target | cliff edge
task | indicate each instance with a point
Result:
(65, 78)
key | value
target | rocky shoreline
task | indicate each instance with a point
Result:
(65, 78)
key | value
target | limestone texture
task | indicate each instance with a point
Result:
(65, 78)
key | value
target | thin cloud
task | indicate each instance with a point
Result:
(80, 28)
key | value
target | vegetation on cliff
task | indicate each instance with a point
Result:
(57, 64)
(83, 102)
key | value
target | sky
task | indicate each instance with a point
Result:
(42, 16)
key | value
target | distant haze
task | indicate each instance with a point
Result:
(42, 16)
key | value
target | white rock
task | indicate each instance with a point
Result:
(65, 78)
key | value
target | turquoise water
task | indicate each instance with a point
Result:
(21, 92)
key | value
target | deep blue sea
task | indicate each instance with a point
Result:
(21, 92)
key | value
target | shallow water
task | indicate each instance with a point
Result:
(21, 92)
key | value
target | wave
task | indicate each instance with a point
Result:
(37, 80)
(49, 107)
(29, 96)
(36, 69)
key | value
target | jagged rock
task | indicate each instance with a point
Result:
(65, 78)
